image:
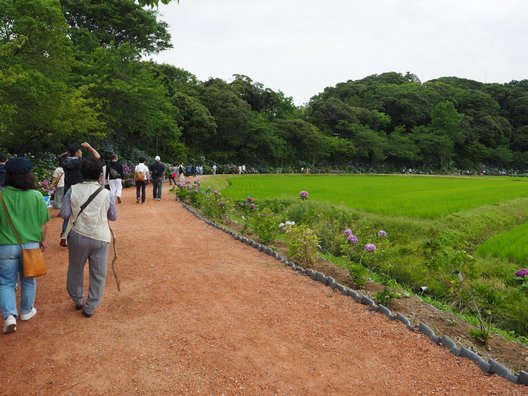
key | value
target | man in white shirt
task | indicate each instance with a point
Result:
(141, 176)
(58, 183)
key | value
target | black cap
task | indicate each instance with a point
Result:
(74, 147)
(18, 165)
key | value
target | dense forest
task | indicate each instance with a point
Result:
(75, 70)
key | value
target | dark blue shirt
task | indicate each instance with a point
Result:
(72, 171)
(156, 170)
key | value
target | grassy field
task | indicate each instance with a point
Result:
(511, 245)
(410, 196)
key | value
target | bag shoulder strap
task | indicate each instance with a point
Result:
(10, 221)
(90, 199)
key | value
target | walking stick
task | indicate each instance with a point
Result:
(115, 259)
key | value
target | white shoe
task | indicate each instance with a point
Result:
(9, 324)
(29, 315)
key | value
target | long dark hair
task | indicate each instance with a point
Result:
(22, 181)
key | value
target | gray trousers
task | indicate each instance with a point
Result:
(96, 252)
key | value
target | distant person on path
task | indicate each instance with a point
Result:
(88, 236)
(193, 170)
(157, 169)
(115, 176)
(29, 215)
(173, 174)
(57, 182)
(141, 177)
(3, 159)
(71, 161)
(188, 170)
(181, 171)
(214, 169)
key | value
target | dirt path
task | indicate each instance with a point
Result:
(199, 312)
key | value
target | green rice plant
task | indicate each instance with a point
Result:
(392, 195)
(511, 245)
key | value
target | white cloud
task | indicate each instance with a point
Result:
(302, 46)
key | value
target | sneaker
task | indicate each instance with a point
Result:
(137, 200)
(9, 324)
(86, 314)
(118, 199)
(63, 242)
(29, 315)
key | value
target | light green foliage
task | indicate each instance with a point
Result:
(264, 224)
(302, 245)
(511, 245)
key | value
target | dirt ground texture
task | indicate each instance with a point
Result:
(201, 313)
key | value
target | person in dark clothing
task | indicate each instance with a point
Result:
(71, 161)
(3, 160)
(157, 169)
(115, 176)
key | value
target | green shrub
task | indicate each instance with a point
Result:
(265, 224)
(359, 274)
(302, 245)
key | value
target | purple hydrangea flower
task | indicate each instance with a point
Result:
(253, 206)
(249, 199)
(304, 195)
(370, 247)
(382, 233)
(216, 192)
(353, 239)
(522, 273)
(347, 232)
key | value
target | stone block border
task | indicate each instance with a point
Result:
(488, 367)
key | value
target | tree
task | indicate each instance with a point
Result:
(40, 110)
(197, 123)
(445, 120)
(232, 116)
(100, 23)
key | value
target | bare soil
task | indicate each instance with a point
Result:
(199, 312)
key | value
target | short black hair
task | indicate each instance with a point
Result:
(22, 181)
(91, 169)
(114, 157)
(3, 157)
(142, 159)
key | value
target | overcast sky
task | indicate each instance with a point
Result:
(302, 46)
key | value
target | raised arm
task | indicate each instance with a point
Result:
(91, 150)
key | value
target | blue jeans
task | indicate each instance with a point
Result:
(10, 270)
(156, 187)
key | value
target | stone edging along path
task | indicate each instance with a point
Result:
(489, 367)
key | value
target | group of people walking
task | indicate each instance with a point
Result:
(86, 207)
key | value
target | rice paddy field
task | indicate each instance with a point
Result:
(392, 195)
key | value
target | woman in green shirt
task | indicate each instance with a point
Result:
(29, 215)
